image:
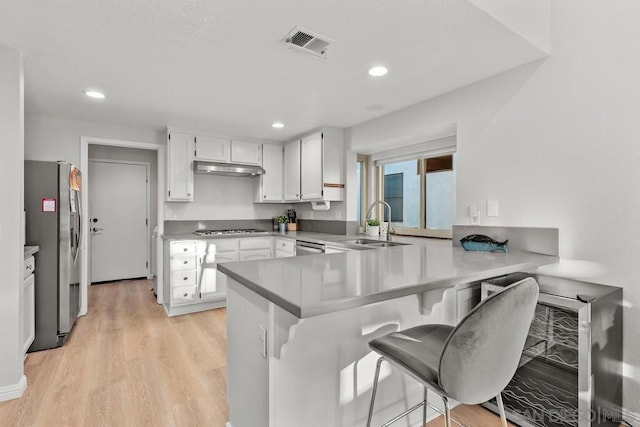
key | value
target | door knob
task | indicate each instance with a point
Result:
(95, 229)
(94, 220)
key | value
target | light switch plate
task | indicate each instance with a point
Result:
(492, 208)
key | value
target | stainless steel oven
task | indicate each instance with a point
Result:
(309, 248)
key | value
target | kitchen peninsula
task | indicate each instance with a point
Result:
(298, 328)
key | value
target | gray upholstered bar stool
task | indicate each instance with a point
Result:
(471, 362)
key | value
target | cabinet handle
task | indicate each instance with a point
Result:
(184, 249)
(189, 194)
(283, 244)
(185, 262)
(264, 197)
(185, 295)
(184, 278)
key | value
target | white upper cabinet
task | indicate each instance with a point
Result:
(311, 166)
(292, 171)
(212, 149)
(272, 181)
(249, 153)
(179, 171)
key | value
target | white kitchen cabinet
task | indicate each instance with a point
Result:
(183, 272)
(28, 321)
(212, 149)
(255, 255)
(311, 163)
(284, 248)
(313, 167)
(271, 183)
(292, 171)
(249, 153)
(179, 169)
(214, 284)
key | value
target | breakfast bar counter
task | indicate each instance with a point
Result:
(298, 328)
(311, 285)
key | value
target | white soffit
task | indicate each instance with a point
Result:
(531, 19)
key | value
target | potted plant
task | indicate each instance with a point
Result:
(373, 228)
(282, 222)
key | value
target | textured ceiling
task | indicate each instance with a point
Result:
(220, 65)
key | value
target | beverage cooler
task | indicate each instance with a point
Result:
(570, 372)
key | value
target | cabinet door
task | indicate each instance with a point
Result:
(28, 327)
(254, 255)
(249, 153)
(213, 284)
(311, 163)
(292, 171)
(220, 278)
(179, 170)
(273, 164)
(212, 149)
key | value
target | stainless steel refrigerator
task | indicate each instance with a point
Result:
(53, 222)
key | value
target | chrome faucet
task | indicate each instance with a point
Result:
(381, 202)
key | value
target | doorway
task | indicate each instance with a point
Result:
(119, 220)
(115, 149)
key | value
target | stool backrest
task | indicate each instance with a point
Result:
(481, 354)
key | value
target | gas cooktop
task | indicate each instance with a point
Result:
(227, 232)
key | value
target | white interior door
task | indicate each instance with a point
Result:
(118, 226)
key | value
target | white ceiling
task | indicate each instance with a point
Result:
(220, 65)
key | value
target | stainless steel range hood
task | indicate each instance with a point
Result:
(227, 169)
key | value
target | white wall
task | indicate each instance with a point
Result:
(556, 143)
(223, 197)
(11, 243)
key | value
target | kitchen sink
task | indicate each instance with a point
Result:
(374, 243)
(379, 244)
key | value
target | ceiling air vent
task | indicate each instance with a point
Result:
(308, 41)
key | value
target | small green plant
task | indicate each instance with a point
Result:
(373, 222)
(282, 219)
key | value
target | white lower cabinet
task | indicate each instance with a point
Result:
(193, 281)
(28, 321)
(284, 247)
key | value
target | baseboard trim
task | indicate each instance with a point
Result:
(631, 417)
(13, 391)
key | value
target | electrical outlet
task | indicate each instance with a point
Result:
(262, 341)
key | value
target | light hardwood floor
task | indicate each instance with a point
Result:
(128, 364)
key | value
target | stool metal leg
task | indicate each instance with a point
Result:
(424, 408)
(447, 412)
(503, 417)
(373, 391)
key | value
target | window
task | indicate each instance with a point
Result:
(421, 193)
(393, 194)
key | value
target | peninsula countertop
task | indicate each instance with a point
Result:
(311, 285)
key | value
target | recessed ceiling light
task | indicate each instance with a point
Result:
(277, 125)
(94, 94)
(377, 71)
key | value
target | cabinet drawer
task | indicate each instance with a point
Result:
(184, 295)
(255, 243)
(182, 247)
(226, 245)
(286, 245)
(183, 263)
(29, 266)
(183, 278)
